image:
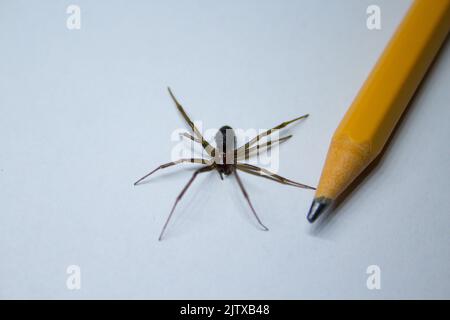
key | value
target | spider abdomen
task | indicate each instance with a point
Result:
(226, 143)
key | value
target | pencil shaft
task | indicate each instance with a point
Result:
(370, 120)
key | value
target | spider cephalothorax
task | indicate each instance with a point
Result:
(226, 158)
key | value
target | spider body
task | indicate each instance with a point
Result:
(226, 159)
(225, 141)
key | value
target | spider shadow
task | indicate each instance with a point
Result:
(239, 199)
(190, 203)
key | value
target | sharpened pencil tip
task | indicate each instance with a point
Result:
(319, 206)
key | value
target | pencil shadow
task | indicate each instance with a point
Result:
(328, 219)
(324, 223)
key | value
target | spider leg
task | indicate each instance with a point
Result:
(189, 136)
(249, 152)
(193, 140)
(208, 148)
(269, 132)
(264, 176)
(204, 169)
(272, 176)
(248, 200)
(165, 165)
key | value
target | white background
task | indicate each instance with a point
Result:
(84, 113)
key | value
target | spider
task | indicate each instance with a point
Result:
(225, 159)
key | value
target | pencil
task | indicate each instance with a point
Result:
(370, 120)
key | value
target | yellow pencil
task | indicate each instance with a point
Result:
(370, 120)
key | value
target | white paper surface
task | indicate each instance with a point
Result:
(84, 113)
